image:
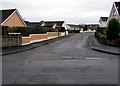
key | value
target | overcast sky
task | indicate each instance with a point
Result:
(71, 11)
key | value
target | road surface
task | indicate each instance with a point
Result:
(67, 61)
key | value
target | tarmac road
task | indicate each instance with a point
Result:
(67, 61)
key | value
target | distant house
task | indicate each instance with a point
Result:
(53, 24)
(115, 12)
(92, 26)
(33, 24)
(11, 18)
(103, 21)
(73, 27)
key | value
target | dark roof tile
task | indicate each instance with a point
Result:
(52, 23)
(104, 18)
(73, 26)
(6, 13)
(33, 24)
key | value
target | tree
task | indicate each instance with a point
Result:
(113, 29)
(85, 28)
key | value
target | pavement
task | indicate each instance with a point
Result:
(97, 46)
(16, 49)
(93, 43)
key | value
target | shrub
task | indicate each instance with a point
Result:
(113, 29)
(44, 29)
(85, 28)
(101, 37)
(101, 30)
(62, 29)
(25, 31)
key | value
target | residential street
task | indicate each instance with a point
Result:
(67, 61)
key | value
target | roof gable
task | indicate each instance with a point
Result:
(6, 14)
(118, 6)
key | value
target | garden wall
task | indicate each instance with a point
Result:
(41, 37)
(7, 41)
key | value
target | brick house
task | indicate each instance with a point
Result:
(73, 27)
(53, 24)
(11, 18)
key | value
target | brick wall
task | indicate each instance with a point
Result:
(40, 37)
(7, 41)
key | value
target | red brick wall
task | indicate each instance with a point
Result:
(52, 34)
(38, 37)
(25, 40)
(35, 37)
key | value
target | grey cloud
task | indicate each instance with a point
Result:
(76, 11)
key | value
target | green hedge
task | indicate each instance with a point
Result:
(113, 29)
(25, 31)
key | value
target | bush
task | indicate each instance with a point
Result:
(85, 28)
(113, 29)
(101, 37)
(62, 29)
(44, 29)
(25, 31)
(101, 30)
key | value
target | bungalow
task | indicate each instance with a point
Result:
(115, 12)
(92, 26)
(11, 18)
(73, 27)
(53, 24)
(103, 21)
(33, 24)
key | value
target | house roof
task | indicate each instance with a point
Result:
(52, 23)
(118, 6)
(73, 26)
(33, 24)
(104, 18)
(6, 13)
(92, 24)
